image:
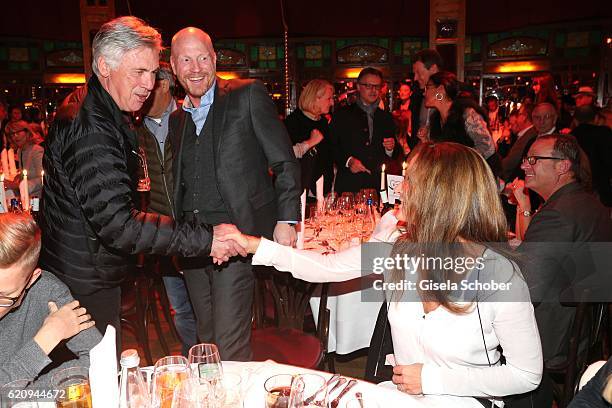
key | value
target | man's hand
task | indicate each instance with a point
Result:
(285, 234)
(223, 247)
(355, 166)
(408, 378)
(389, 143)
(62, 324)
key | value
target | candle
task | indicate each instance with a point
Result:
(3, 206)
(11, 163)
(5, 165)
(404, 165)
(42, 178)
(382, 179)
(23, 191)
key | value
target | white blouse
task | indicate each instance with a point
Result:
(450, 346)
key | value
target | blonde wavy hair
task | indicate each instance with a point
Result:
(449, 197)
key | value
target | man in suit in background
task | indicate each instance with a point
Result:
(226, 136)
(427, 62)
(363, 136)
(557, 259)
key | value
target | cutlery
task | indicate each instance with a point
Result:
(351, 384)
(329, 382)
(341, 381)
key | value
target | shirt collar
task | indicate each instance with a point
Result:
(171, 108)
(205, 101)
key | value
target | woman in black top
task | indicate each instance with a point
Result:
(308, 129)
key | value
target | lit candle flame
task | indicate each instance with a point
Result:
(25, 173)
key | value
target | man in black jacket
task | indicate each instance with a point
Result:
(363, 136)
(226, 136)
(92, 226)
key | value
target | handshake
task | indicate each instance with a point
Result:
(228, 241)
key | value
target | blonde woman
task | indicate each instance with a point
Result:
(445, 346)
(308, 129)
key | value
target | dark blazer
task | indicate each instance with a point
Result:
(350, 137)
(557, 261)
(596, 141)
(248, 139)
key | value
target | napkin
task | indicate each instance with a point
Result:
(103, 371)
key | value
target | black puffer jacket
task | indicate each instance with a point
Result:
(91, 227)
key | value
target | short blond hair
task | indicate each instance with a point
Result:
(313, 90)
(19, 240)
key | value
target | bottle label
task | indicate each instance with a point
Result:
(35, 204)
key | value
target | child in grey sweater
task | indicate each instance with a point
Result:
(37, 311)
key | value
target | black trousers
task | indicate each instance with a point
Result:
(104, 306)
(222, 299)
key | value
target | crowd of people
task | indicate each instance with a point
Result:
(223, 177)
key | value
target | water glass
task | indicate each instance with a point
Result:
(278, 389)
(193, 393)
(73, 386)
(168, 373)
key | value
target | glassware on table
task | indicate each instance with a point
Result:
(205, 364)
(73, 386)
(232, 385)
(308, 390)
(278, 389)
(193, 393)
(168, 373)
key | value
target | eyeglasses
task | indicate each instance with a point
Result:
(369, 87)
(6, 301)
(532, 160)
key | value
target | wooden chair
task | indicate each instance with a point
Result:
(580, 343)
(287, 342)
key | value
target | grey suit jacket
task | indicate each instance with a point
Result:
(248, 140)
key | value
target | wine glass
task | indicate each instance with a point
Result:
(168, 373)
(205, 364)
(278, 389)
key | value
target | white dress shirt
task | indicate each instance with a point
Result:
(450, 346)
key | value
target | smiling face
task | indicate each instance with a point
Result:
(131, 82)
(542, 177)
(194, 62)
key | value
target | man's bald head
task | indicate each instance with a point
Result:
(194, 62)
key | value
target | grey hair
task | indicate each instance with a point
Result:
(165, 73)
(120, 35)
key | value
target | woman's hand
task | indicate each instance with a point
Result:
(248, 242)
(315, 138)
(408, 378)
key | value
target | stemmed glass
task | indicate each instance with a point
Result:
(205, 364)
(168, 373)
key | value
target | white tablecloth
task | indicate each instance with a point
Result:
(352, 320)
(255, 374)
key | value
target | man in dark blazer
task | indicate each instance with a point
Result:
(226, 136)
(558, 260)
(363, 137)
(596, 141)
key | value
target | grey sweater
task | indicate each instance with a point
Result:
(20, 356)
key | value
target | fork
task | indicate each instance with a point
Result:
(335, 402)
